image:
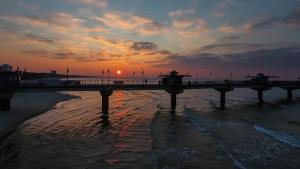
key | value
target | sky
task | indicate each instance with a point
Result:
(219, 37)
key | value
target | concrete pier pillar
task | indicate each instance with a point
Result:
(5, 99)
(173, 91)
(105, 100)
(260, 92)
(222, 99)
(105, 104)
(289, 94)
(260, 96)
(223, 96)
(173, 101)
(5, 104)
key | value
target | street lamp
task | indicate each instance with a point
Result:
(67, 74)
(143, 75)
(160, 82)
(108, 76)
(103, 72)
(133, 73)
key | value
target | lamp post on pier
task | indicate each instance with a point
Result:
(143, 76)
(133, 73)
(160, 80)
(108, 76)
(103, 72)
(67, 74)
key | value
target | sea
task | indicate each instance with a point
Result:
(142, 132)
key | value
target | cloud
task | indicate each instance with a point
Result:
(63, 55)
(181, 13)
(291, 21)
(185, 26)
(38, 38)
(190, 27)
(97, 29)
(265, 23)
(60, 19)
(39, 53)
(225, 48)
(222, 7)
(26, 20)
(47, 54)
(125, 51)
(149, 50)
(183, 23)
(153, 28)
(144, 46)
(28, 5)
(98, 3)
(226, 28)
(143, 26)
(271, 60)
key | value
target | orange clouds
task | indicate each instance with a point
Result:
(143, 26)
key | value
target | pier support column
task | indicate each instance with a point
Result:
(173, 92)
(222, 99)
(105, 100)
(260, 96)
(289, 94)
(5, 99)
(223, 96)
(173, 101)
(5, 104)
(260, 93)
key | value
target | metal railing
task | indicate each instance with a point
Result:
(128, 83)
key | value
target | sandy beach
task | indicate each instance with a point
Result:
(27, 105)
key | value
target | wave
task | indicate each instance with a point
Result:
(196, 121)
(280, 136)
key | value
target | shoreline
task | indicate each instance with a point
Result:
(25, 106)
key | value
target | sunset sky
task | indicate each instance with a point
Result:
(222, 36)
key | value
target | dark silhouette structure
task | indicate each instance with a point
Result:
(172, 83)
(261, 82)
(9, 81)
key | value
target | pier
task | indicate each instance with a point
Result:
(172, 84)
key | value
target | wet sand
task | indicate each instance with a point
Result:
(27, 105)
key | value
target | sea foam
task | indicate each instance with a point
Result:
(281, 136)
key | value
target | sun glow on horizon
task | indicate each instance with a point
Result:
(119, 72)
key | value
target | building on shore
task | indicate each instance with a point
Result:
(8, 77)
(6, 68)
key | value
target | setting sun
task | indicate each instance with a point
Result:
(119, 72)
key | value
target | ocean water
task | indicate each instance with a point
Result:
(143, 133)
